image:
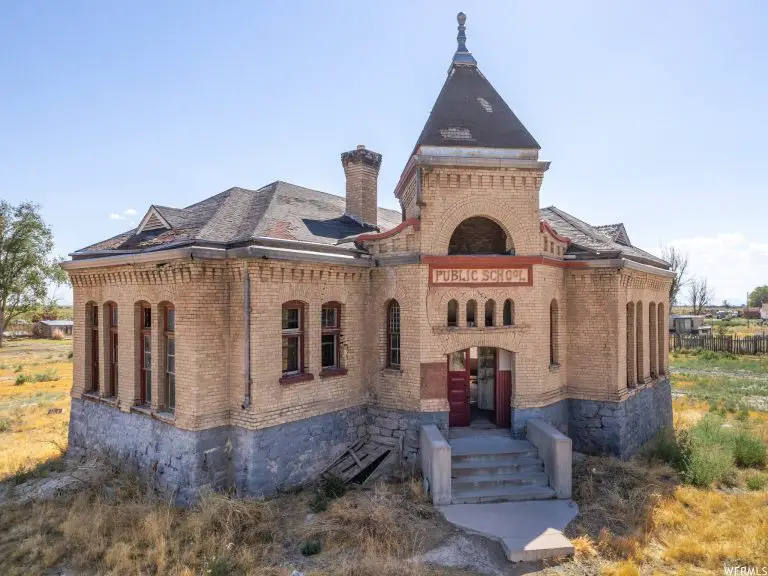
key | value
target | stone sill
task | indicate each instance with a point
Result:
(113, 401)
(295, 378)
(554, 367)
(392, 371)
(331, 372)
(475, 329)
(167, 417)
(142, 409)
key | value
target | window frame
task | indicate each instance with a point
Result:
(452, 318)
(554, 333)
(486, 322)
(300, 335)
(394, 350)
(94, 321)
(145, 374)
(335, 331)
(471, 305)
(114, 350)
(169, 376)
(509, 305)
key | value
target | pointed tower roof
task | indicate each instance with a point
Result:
(469, 112)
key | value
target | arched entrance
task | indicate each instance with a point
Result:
(479, 387)
(480, 235)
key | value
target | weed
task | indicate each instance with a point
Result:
(748, 450)
(707, 465)
(5, 425)
(217, 566)
(757, 482)
(333, 487)
(311, 547)
(19, 368)
(319, 502)
(49, 375)
(70, 355)
(667, 448)
(20, 379)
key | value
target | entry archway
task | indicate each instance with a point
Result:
(479, 387)
(480, 235)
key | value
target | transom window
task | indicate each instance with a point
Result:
(330, 324)
(293, 338)
(393, 335)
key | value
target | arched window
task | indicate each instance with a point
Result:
(660, 345)
(479, 235)
(553, 334)
(92, 347)
(330, 324)
(489, 310)
(293, 338)
(110, 313)
(508, 313)
(639, 342)
(144, 345)
(471, 314)
(652, 338)
(631, 373)
(453, 313)
(393, 335)
(169, 341)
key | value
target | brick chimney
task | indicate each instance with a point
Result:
(361, 167)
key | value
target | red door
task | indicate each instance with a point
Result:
(458, 388)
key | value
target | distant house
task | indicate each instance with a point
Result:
(45, 328)
(764, 311)
(688, 324)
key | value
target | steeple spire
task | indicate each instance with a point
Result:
(463, 56)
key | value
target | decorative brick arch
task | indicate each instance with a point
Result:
(512, 225)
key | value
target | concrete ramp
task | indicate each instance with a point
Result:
(528, 531)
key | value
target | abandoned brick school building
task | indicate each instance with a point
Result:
(247, 339)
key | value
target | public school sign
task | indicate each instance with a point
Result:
(497, 276)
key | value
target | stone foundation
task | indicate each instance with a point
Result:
(621, 428)
(254, 462)
(555, 414)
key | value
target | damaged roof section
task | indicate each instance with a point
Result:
(594, 242)
(238, 216)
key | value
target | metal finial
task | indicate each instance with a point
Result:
(463, 56)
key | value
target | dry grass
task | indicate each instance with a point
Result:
(36, 413)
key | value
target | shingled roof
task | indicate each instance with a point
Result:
(238, 216)
(590, 242)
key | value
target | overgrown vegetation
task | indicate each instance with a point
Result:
(708, 360)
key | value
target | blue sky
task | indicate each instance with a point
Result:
(652, 113)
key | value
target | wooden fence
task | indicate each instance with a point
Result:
(746, 345)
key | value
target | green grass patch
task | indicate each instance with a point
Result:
(726, 390)
(757, 482)
(708, 360)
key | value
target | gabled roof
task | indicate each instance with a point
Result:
(589, 242)
(238, 215)
(615, 232)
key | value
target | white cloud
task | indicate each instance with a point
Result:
(733, 263)
(122, 215)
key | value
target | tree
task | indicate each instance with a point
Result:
(726, 304)
(758, 297)
(700, 294)
(678, 263)
(27, 265)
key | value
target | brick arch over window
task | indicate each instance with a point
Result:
(480, 235)
(524, 233)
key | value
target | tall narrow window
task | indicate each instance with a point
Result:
(471, 314)
(652, 337)
(639, 343)
(393, 335)
(660, 346)
(508, 313)
(169, 334)
(453, 313)
(145, 348)
(92, 348)
(553, 333)
(489, 309)
(293, 338)
(631, 372)
(330, 323)
(113, 350)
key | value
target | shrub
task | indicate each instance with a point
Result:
(757, 482)
(70, 355)
(19, 368)
(5, 425)
(333, 487)
(20, 379)
(57, 335)
(311, 547)
(319, 503)
(707, 465)
(666, 447)
(49, 375)
(217, 566)
(748, 450)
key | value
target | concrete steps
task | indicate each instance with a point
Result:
(487, 481)
(501, 494)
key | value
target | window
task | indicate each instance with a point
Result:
(553, 334)
(489, 309)
(631, 371)
(652, 337)
(330, 323)
(639, 343)
(508, 313)
(293, 338)
(145, 351)
(393, 335)
(92, 346)
(169, 335)
(113, 349)
(453, 313)
(660, 346)
(471, 314)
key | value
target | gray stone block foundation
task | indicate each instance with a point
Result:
(555, 414)
(621, 428)
(254, 462)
